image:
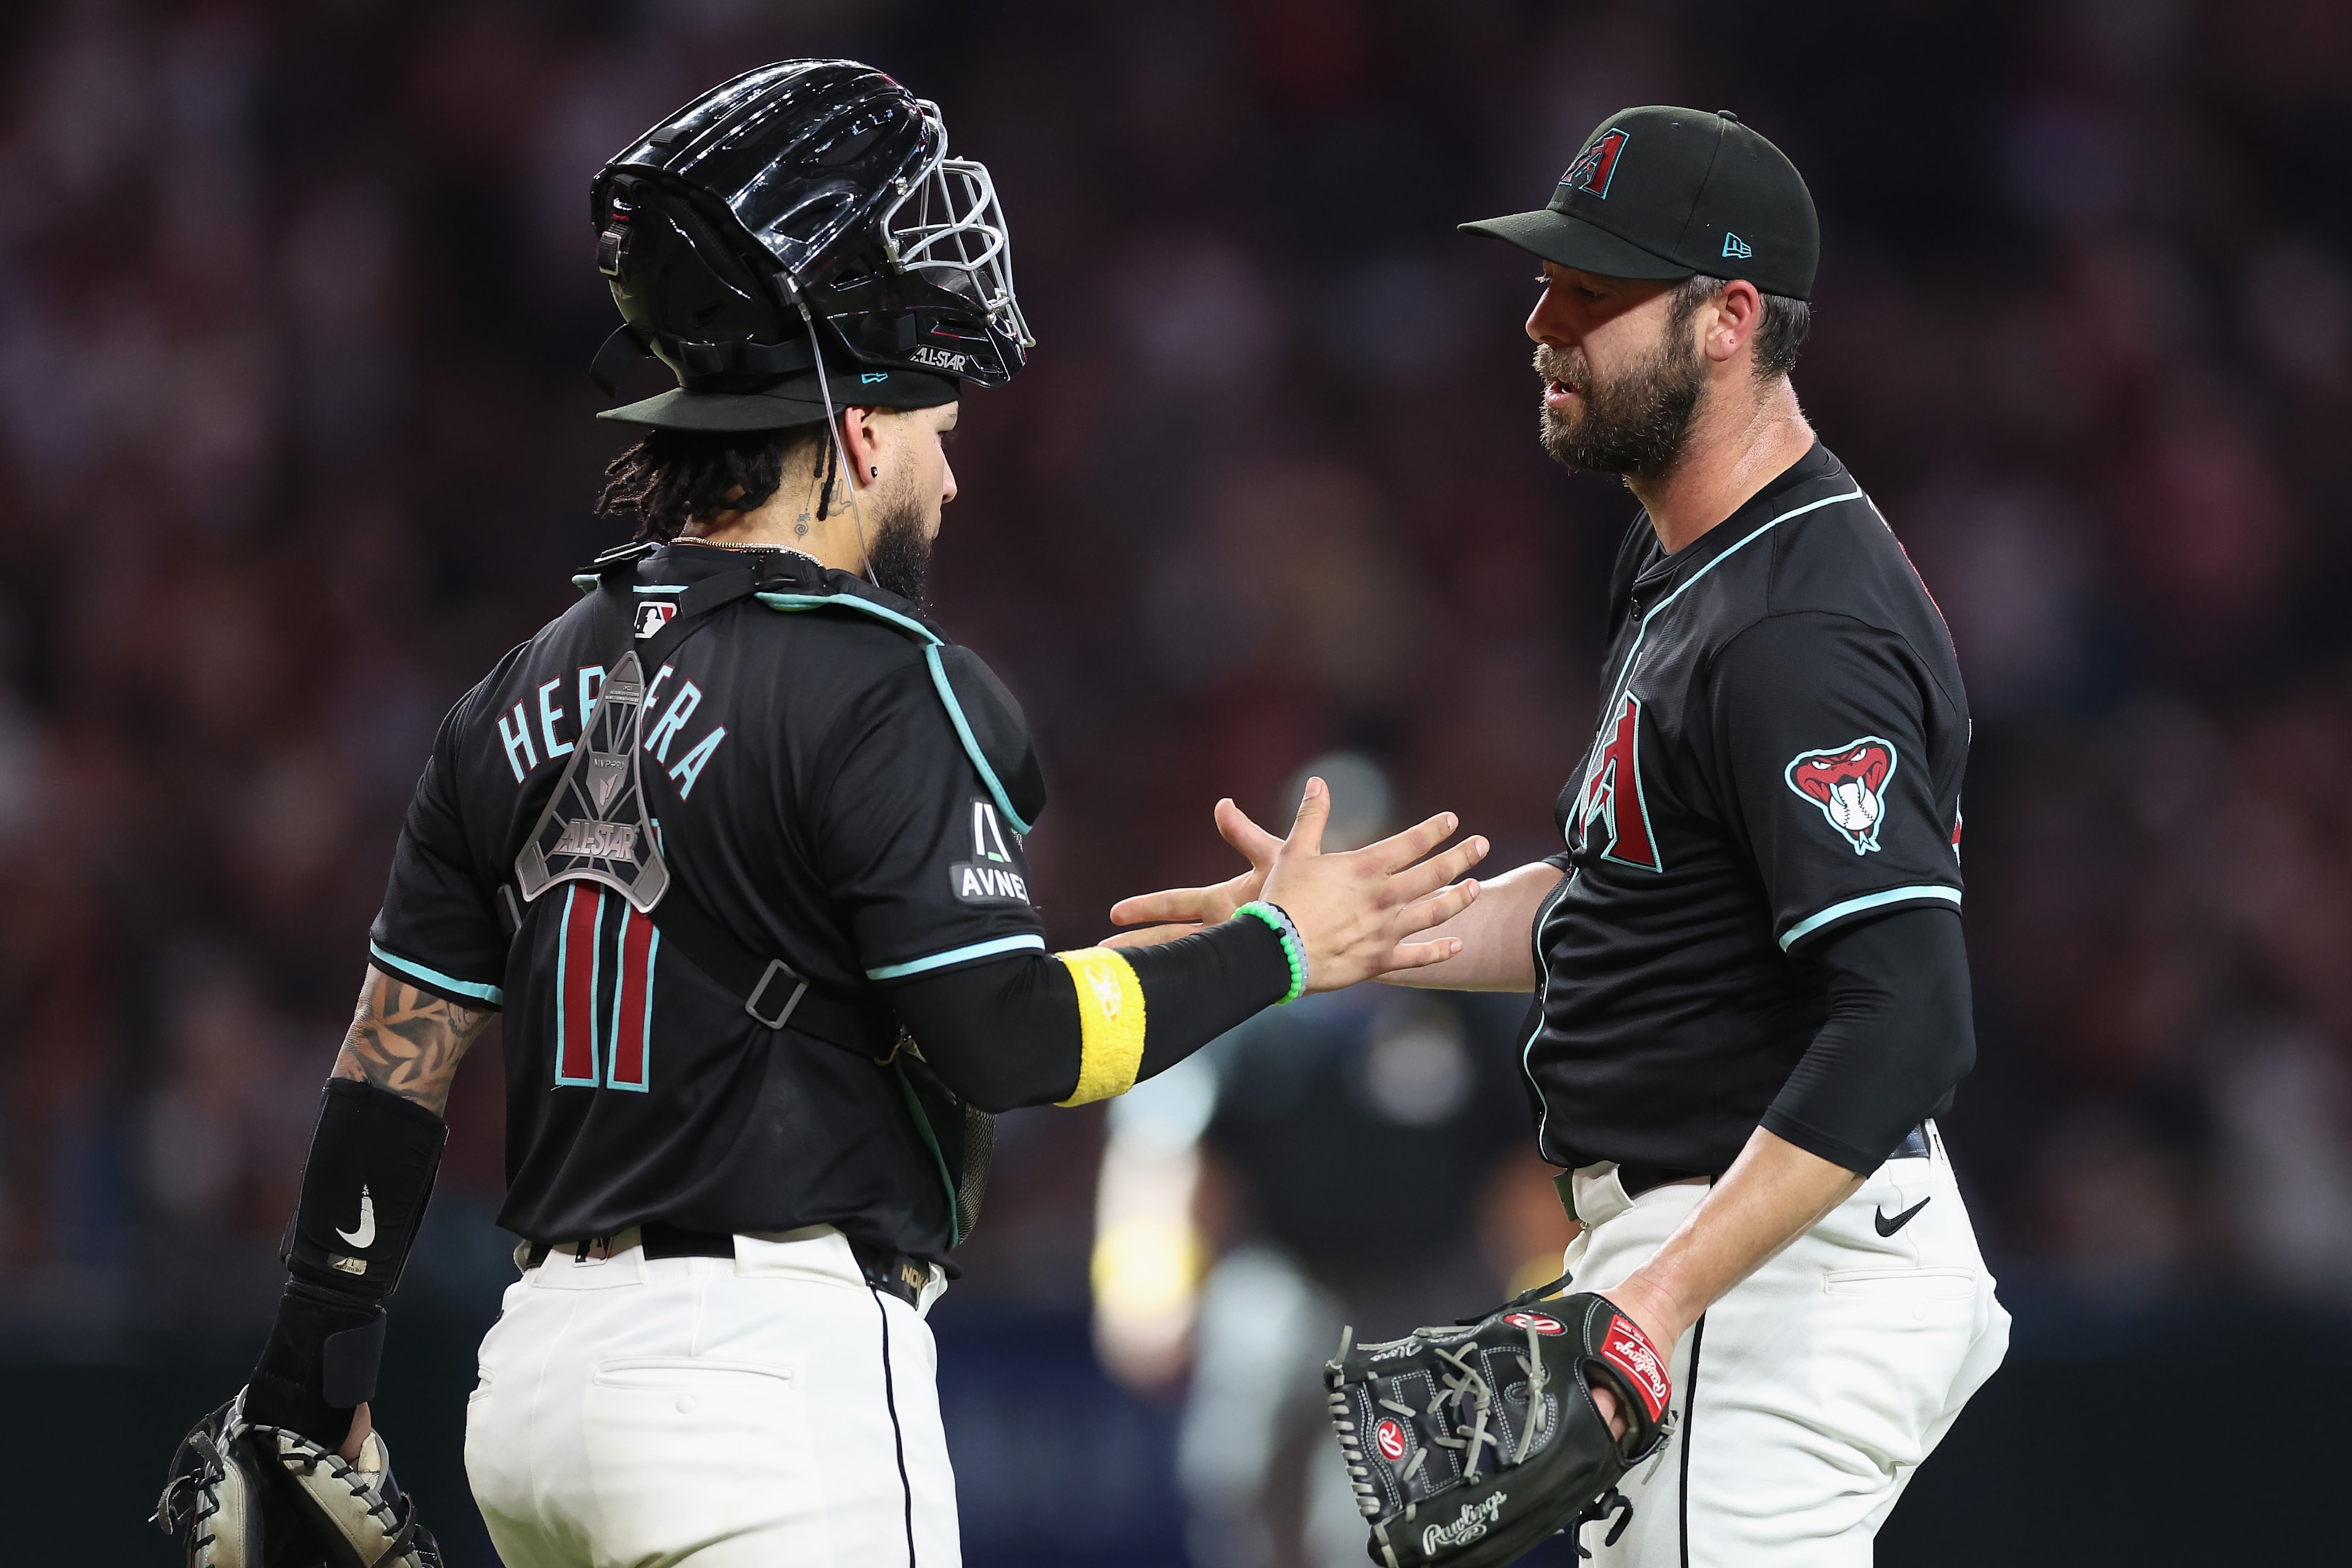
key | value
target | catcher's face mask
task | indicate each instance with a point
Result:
(806, 210)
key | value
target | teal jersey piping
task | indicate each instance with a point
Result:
(789, 602)
(1543, 981)
(956, 955)
(1625, 671)
(1812, 924)
(495, 995)
(971, 742)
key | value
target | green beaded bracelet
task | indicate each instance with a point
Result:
(1293, 949)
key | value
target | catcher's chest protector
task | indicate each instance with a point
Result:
(597, 827)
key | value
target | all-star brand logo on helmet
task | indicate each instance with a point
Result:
(1389, 1436)
(1536, 1320)
(1597, 164)
(1849, 783)
(939, 359)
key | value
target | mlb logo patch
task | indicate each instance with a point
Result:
(653, 617)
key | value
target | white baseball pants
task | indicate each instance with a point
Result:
(769, 1410)
(1808, 1394)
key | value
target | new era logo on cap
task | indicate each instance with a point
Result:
(1735, 245)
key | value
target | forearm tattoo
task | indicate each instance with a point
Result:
(408, 1040)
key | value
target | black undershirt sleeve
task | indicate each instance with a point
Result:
(1005, 1033)
(1900, 1036)
(1000, 1033)
(1198, 987)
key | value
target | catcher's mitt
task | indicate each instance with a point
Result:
(1469, 1445)
(246, 1495)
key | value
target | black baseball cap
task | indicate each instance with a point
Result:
(1661, 192)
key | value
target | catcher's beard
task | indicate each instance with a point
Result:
(1634, 423)
(899, 549)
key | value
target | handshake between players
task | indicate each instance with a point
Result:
(735, 845)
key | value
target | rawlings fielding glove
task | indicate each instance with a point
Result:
(246, 1495)
(1467, 1446)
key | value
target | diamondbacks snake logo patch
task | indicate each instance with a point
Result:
(1848, 784)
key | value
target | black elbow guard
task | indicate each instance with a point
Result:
(373, 1159)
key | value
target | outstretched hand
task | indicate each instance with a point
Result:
(1352, 907)
(1180, 911)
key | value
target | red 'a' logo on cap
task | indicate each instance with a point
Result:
(1597, 164)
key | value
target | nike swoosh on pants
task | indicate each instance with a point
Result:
(1889, 1226)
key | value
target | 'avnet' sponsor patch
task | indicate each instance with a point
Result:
(983, 884)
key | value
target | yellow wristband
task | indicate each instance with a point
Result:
(1110, 1023)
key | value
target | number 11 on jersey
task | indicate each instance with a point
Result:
(604, 992)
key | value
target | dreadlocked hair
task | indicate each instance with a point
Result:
(672, 478)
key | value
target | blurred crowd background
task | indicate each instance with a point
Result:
(296, 302)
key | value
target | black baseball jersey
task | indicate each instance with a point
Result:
(808, 782)
(1780, 747)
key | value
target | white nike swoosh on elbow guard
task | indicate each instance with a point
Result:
(365, 1234)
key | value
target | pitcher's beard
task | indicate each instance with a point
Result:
(1636, 424)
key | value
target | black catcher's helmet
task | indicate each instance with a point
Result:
(802, 206)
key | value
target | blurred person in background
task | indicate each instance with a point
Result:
(1290, 1157)
(1753, 994)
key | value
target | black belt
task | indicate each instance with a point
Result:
(1637, 1178)
(892, 1273)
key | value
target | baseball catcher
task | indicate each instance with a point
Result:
(735, 845)
(1468, 1445)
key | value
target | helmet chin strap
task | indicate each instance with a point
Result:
(840, 450)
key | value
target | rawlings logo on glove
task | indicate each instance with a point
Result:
(1484, 1438)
